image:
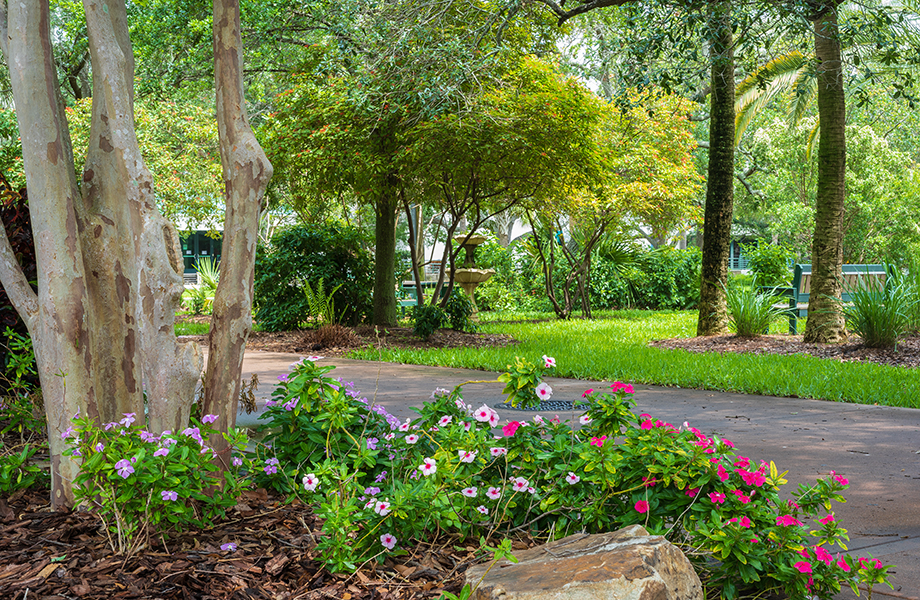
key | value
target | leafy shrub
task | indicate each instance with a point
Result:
(750, 311)
(667, 279)
(769, 263)
(459, 312)
(524, 385)
(332, 252)
(380, 485)
(18, 471)
(880, 314)
(428, 319)
(139, 483)
(16, 220)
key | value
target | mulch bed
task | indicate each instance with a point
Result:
(64, 555)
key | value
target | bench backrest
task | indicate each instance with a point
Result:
(852, 276)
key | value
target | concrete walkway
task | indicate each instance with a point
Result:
(876, 447)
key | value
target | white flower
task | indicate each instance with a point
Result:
(428, 467)
(445, 421)
(544, 392)
(382, 508)
(405, 426)
(519, 484)
(538, 419)
(467, 425)
(389, 436)
(411, 438)
(584, 419)
(483, 510)
(466, 456)
(483, 414)
(548, 362)
(496, 452)
(469, 492)
(493, 419)
(310, 482)
(494, 493)
(572, 478)
(388, 541)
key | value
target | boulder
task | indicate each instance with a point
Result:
(628, 564)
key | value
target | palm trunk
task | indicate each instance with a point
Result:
(385, 256)
(825, 320)
(717, 221)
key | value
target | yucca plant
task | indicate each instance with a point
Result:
(319, 303)
(751, 312)
(201, 297)
(880, 314)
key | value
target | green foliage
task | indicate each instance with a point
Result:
(332, 252)
(200, 298)
(667, 279)
(523, 379)
(459, 312)
(428, 319)
(769, 262)
(751, 311)
(321, 304)
(137, 482)
(880, 314)
(381, 485)
(18, 471)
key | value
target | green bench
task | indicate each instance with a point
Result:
(800, 292)
(409, 297)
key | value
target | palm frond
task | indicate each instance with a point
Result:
(760, 88)
(805, 90)
(812, 138)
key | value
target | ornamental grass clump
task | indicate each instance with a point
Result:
(382, 485)
(750, 311)
(881, 314)
(140, 484)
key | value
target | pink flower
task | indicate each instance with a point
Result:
(388, 541)
(717, 497)
(411, 438)
(646, 424)
(428, 467)
(483, 414)
(649, 481)
(828, 519)
(572, 478)
(208, 418)
(723, 474)
(228, 547)
(843, 564)
(510, 428)
(124, 468)
(728, 443)
(161, 452)
(842, 480)
(469, 492)
(745, 522)
(641, 506)
(787, 520)
(445, 421)
(496, 452)
(519, 484)
(537, 420)
(743, 462)
(382, 508)
(310, 482)
(544, 392)
(482, 509)
(237, 461)
(692, 491)
(466, 456)
(755, 479)
(598, 441)
(625, 387)
(803, 567)
(586, 392)
(823, 555)
(494, 493)
(548, 362)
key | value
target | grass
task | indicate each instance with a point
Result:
(192, 328)
(613, 347)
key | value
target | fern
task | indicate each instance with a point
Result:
(319, 303)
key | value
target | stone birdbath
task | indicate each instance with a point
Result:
(469, 277)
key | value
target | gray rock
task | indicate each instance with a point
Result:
(628, 564)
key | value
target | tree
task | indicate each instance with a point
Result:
(109, 270)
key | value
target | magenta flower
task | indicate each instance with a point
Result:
(572, 478)
(586, 392)
(469, 492)
(828, 519)
(646, 424)
(209, 418)
(641, 506)
(598, 441)
(803, 567)
(823, 555)
(692, 491)
(787, 520)
(625, 387)
(388, 541)
(124, 468)
(745, 522)
(723, 474)
(717, 497)
(169, 495)
(510, 428)
(843, 564)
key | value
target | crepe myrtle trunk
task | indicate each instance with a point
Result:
(385, 207)
(717, 220)
(246, 172)
(825, 319)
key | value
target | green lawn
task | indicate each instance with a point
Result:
(613, 347)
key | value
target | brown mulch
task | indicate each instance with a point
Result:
(907, 353)
(63, 555)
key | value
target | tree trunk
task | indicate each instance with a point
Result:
(246, 173)
(825, 321)
(385, 256)
(717, 221)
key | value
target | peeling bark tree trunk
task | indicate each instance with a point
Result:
(717, 220)
(246, 172)
(108, 278)
(825, 320)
